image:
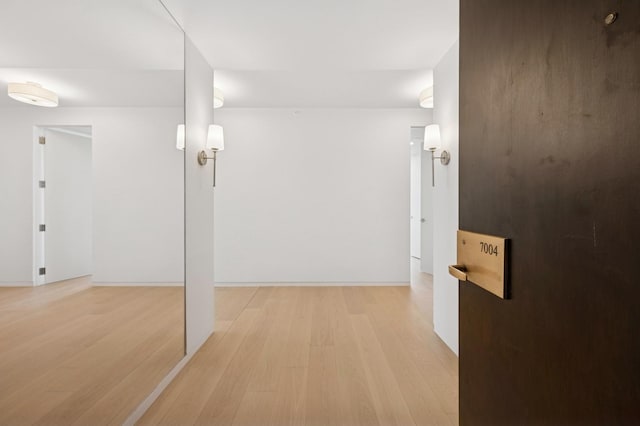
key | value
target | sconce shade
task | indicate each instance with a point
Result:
(180, 137)
(33, 94)
(215, 138)
(432, 137)
(218, 98)
(426, 98)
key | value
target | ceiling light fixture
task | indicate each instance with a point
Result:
(426, 98)
(32, 94)
(218, 98)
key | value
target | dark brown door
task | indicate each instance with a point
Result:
(550, 157)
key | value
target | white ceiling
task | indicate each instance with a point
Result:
(100, 87)
(276, 53)
(327, 35)
(329, 53)
(322, 88)
(113, 34)
(93, 52)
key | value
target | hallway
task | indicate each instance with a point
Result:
(317, 356)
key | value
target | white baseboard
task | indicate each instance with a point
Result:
(16, 284)
(128, 284)
(316, 284)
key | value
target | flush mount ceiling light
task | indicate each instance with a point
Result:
(426, 98)
(33, 94)
(218, 98)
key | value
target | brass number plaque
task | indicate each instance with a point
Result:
(482, 260)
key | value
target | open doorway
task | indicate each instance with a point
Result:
(421, 221)
(416, 218)
(62, 203)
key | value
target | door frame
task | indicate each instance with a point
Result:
(39, 208)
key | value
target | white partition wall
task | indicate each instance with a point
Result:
(198, 200)
(445, 199)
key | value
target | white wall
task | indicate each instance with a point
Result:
(16, 199)
(445, 199)
(318, 196)
(199, 294)
(137, 191)
(139, 197)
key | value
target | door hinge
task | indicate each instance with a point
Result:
(42, 184)
(42, 140)
(43, 227)
(42, 271)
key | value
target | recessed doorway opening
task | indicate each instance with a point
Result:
(63, 218)
(421, 208)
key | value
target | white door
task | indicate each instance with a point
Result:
(415, 225)
(67, 203)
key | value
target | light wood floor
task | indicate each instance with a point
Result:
(317, 356)
(72, 354)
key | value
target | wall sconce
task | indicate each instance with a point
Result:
(180, 137)
(432, 143)
(215, 142)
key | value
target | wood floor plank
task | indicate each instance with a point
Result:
(418, 394)
(290, 397)
(115, 403)
(189, 392)
(255, 408)
(226, 397)
(259, 298)
(231, 302)
(438, 369)
(354, 386)
(267, 368)
(323, 406)
(169, 401)
(354, 300)
(299, 339)
(321, 321)
(70, 352)
(318, 356)
(389, 403)
(27, 413)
